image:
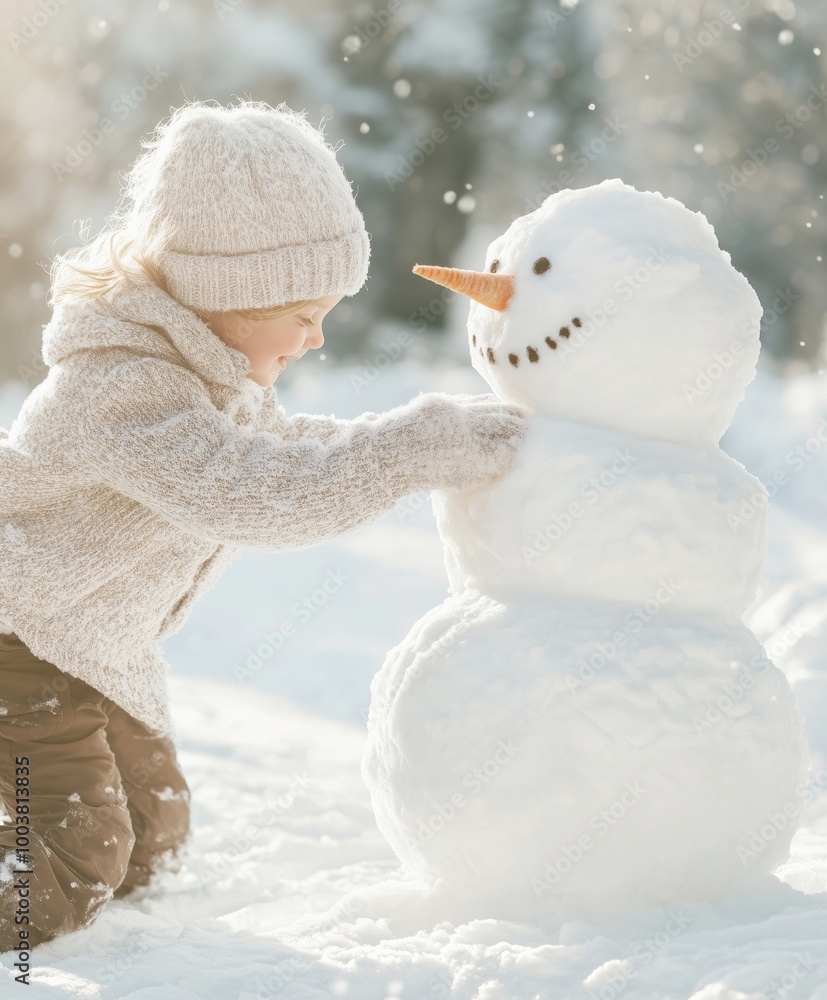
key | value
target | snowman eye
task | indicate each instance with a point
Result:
(541, 265)
(495, 264)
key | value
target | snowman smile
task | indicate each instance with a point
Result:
(532, 353)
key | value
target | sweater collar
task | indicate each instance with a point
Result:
(144, 317)
(204, 351)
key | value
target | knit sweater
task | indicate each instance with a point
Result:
(147, 459)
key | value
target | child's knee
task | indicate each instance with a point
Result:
(161, 818)
(76, 867)
(87, 834)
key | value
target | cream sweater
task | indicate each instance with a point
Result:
(146, 459)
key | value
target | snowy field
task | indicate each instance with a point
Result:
(274, 897)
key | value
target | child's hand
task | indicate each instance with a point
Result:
(479, 436)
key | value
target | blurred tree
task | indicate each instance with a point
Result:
(717, 98)
(452, 114)
(454, 82)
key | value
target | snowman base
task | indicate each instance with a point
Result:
(521, 773)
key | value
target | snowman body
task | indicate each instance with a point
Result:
(585, 723)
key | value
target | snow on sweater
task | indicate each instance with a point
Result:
(147, 458)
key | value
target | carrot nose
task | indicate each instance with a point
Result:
(492, 290)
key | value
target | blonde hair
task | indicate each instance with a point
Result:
(122, 252)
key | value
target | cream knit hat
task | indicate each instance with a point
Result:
(250, 208)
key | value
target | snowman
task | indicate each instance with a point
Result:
(585, 723)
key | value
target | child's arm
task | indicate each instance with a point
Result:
(149, 430)
(323, 428)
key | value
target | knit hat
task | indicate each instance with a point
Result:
(250, 209)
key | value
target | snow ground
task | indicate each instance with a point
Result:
(287, 888)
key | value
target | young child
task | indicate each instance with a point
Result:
(154, 450)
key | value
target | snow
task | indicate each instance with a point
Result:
(289, 890)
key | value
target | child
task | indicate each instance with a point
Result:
(156, 449)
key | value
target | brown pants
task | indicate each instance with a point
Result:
(107, 803)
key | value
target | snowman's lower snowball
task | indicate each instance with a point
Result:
(513, 764)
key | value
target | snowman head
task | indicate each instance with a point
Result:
(616, 307)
